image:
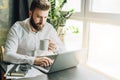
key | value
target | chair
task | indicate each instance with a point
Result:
(2, 62)
(2, 53)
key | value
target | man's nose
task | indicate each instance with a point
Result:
(41, 20)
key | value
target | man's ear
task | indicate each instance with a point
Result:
(30, 13)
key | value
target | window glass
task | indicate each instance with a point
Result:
(104, 48)
(76, 5)
(73, 34)
(105, 6)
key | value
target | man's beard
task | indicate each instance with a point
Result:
(34, 25)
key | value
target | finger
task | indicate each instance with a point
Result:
(51, 49)
(46, 61)
(52, 46)
(42, 64)
(49, 61)
(51, 43)
(40, 61)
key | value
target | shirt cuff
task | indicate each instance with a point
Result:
(31, 60)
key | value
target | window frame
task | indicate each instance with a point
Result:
(88, 16)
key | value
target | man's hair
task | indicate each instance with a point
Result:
(41, 4)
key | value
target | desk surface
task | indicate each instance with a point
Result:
(76, 73)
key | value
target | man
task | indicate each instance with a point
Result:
(24, 37)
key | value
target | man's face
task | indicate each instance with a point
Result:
(38, 18)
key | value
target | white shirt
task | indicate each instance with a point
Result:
(22, 42)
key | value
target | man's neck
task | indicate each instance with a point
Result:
(34, 30)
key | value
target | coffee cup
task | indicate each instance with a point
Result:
(44, 44)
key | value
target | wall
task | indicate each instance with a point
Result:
(4, 23)
(4, 20)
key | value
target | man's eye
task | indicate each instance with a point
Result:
(45, 17)
(37, 16)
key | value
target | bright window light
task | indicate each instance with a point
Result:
(105, 6)
(104, 48)
(73, 34)
(72, 5)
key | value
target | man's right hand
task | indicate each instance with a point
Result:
(43, 61)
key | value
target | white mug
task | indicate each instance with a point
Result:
(44, 44)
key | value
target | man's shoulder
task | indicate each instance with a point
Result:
(20, 24)
(48, 24)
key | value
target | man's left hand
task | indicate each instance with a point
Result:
(52, 46)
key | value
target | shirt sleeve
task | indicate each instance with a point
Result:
(59, 43)
(11, 47)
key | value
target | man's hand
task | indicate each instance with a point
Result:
(43, 61)
(52, 46)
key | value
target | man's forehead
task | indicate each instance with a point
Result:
(41, 12)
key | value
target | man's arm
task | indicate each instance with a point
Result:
(59, 44)
(11, 46)
(11, 54)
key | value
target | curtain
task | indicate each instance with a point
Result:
(19, 10)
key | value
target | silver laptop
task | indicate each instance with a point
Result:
(61, 61)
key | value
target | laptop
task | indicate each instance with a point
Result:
(61, 61)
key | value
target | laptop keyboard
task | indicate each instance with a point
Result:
(47, 67)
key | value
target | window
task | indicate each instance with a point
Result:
(104, 48)
(74, 27)
(103, 38)
(73, 34)
(73, 5)
(99, 21)
(105, 6)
